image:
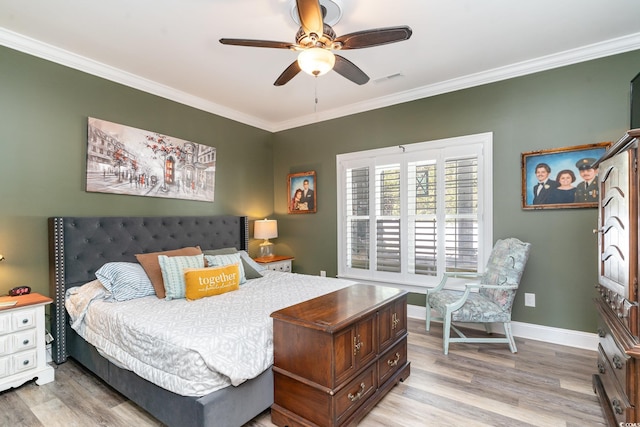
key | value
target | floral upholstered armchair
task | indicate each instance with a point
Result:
(490, 304)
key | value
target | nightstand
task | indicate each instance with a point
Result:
(276, 262)
(22, 341)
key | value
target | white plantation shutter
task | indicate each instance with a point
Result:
(357, 217)
(387, 202)
(461, 214)
(407, 217)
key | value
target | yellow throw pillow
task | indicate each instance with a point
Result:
(205, 282)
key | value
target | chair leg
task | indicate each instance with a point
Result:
(509, 335)
(446, 332)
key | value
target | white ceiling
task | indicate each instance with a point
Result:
(170, 48)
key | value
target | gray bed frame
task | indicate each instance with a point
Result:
(78, 246)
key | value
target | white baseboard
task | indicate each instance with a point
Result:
(531, 331)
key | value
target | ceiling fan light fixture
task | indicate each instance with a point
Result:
(316, 61)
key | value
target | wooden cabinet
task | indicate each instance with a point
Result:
(337, 355)
(22, 342)
(617, 382)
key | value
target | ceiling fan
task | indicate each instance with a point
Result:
(315, 40)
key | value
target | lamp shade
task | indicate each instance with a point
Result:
(265, 229)
(316, 61)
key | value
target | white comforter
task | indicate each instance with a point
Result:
(193, 348)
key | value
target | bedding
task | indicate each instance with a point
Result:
(210, 281)
(251, 268)
(150, 263)
(193, 348)
(125, 280)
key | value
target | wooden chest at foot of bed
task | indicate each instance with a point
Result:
(337, 355)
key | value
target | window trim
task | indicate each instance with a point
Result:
(485, 204)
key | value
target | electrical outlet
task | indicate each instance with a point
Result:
(323, 273)
(529, 300)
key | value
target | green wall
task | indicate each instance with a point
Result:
(43, 115)
(580, 104)
(43, 137)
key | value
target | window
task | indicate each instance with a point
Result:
(407, 214)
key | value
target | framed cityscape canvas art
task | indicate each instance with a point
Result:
(136, 162)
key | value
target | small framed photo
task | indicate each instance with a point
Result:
(301, 190)
(561, 178)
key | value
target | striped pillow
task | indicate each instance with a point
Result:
(125, 280)
(173, 273)
(226, 259)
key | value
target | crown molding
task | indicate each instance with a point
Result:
(586, 53)
(51, 53)
(63, 57)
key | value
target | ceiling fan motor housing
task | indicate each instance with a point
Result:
(324, 40)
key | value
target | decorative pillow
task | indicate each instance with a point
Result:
(251, 268)
(150, 264)
(221, 251)
(125, 280)
(172, 269)
(206, 282)
(220, 260)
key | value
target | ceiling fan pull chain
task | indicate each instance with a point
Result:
(315, 105)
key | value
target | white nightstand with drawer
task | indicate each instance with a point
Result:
(22, 341)
(276, 262)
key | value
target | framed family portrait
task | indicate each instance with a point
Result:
(301, 190)
(561, 178)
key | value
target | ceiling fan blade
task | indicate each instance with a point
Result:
(375, 37)
(258, 43)
(310, 15)
(288, 74)
(350, 71)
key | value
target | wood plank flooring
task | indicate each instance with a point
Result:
(475, 385)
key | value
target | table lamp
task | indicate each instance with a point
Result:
(265, 229)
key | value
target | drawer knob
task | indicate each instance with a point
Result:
(358, 395)
(394, 362)
(25, 362)
(25, 342)
(601, 367)
(617, 362)
(601, 333)
(616, 407)
(25, 321)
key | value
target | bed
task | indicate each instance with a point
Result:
(79, 246)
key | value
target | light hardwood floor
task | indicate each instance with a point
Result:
(475, 385)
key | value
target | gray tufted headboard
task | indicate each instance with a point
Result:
(78, 246)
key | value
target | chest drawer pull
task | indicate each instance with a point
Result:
(616, 407)
(394, 321)
(395, 361)
(25, 321)
(617, 362)
(601, 368)
(358, 395)
(25, 342)
(601, 333)
(356, 345)
(25, 362)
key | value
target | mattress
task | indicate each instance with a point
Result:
(193, 348)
